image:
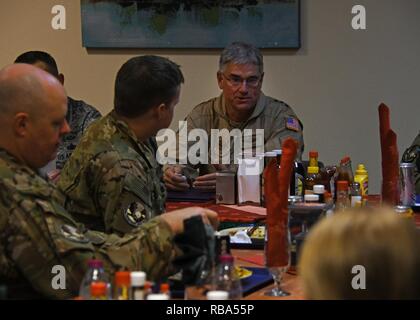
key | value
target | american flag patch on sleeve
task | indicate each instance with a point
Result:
(292, 124)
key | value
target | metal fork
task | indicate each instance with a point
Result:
(255, 227)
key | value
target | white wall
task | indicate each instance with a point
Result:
(334, 82)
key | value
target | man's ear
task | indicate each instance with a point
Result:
(161, 110)
(220, 79)
(61, 78)
(20, 124)
(262, 78)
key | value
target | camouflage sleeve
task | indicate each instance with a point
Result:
(91, 115)
(149, 248)
(36, 246)
(39, 239)
(123, 198)
(286, 124)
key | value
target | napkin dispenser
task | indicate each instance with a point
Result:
(249, 180)
(307, 214)
(225, 187)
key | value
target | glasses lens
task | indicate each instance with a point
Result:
(253, 81)
(237, 81)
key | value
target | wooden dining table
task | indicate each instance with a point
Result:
(255, 258)
(290, 283)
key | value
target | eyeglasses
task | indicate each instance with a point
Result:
(236, 81)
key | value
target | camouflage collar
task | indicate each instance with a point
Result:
(123, 126)
(13, 161)
(5, 155)
(22, 178)
(147, 149)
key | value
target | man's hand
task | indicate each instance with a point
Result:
(174, 180)
(176, 218)
(205, 182)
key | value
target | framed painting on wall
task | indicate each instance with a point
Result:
(190, 23)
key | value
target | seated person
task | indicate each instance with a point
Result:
(113, 179)
(242, 105)
(370, 253)
(36, 233)
(79, 114)
(412, 154)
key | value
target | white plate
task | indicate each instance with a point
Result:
(257, 234)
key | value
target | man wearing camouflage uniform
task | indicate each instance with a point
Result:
(241, 106)
(36, 233)
(79, 114)
(412, 154)
(113, 179)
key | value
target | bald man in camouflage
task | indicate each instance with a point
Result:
(36, 233)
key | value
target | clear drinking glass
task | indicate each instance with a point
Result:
(199, 290)
(278, 272)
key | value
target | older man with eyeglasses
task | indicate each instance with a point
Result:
(242, 105)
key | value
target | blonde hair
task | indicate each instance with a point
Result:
(377, 239)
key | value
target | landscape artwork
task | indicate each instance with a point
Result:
(190, 23)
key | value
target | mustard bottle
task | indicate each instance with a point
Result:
(313, 158)
(362, 177)
(312, 178)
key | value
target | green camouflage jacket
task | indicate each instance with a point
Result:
(412, 155)
(36, 234)
(113, 181)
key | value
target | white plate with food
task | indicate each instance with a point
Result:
(258, 233)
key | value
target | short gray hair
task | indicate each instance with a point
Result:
(241, 53)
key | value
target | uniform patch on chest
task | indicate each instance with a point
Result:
(134, 214)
